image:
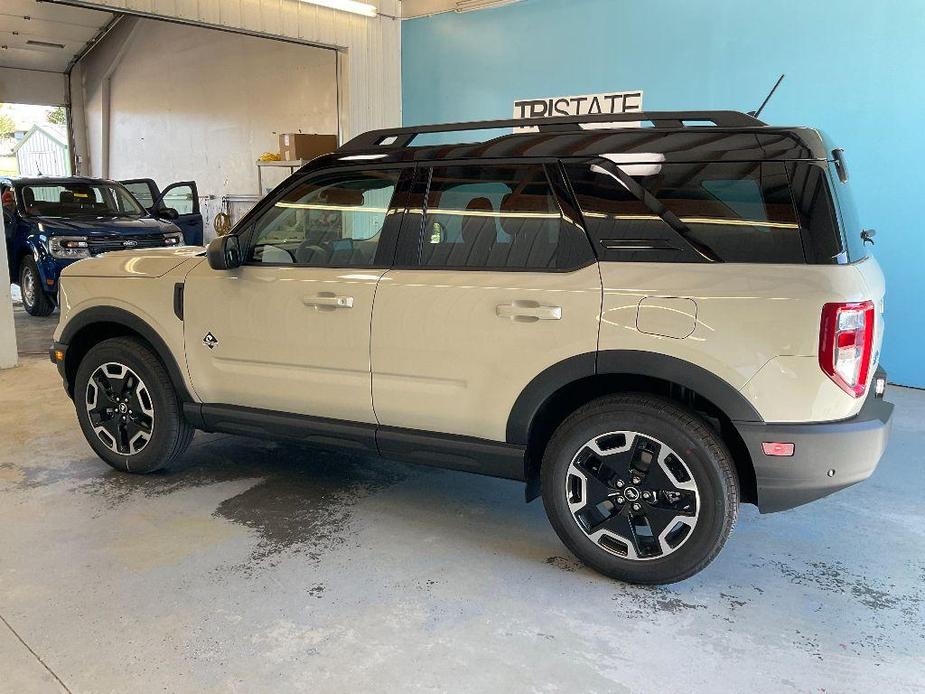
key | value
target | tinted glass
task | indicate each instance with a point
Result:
(492, 217)
(816, 211)
(742, 212)
(331, 221)
(851, 223)
(78, 200)
(142, 192)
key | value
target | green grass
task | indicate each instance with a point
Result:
(8, 166)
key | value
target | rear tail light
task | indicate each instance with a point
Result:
(846, 342)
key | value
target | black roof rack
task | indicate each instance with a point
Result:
(402, 137)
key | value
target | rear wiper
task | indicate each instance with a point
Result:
(655, 205)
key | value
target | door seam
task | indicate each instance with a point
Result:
(372, 311)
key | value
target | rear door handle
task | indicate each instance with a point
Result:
(529, 311)
(328, 301)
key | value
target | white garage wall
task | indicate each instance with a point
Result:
(192, 103)
(370, 47)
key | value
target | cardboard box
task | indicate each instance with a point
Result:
(295, 146)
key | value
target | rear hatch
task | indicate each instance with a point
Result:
(857, 250)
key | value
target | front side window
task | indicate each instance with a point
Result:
(738, 212)
(332, 221)
(495, 217)
(181, 199)
(77, 199)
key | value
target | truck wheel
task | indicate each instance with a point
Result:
(640, 489)
(34, 297)
(128, 408)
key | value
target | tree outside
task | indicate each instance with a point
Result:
(57, 116)
(7, 126)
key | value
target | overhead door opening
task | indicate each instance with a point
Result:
(165, 101)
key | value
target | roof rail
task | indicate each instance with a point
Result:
(402, 137)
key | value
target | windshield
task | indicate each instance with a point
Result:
(79, 200)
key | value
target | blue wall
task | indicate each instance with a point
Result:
(855, 68)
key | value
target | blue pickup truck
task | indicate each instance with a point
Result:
(53, 222)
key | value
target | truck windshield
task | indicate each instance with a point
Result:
(79, 200)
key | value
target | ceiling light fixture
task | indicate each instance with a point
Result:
(363, 8)
(44, 44)
(470, 5)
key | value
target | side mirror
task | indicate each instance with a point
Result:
(224, 252)
(167, 213)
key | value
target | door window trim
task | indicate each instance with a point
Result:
(416, 215)
(385, 249)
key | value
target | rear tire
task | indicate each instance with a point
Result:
(127, 407)
(34, 297)
(640, 489)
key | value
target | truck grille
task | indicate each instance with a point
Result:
(124, 243)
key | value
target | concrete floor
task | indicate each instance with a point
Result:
(33, 335)
(260, 567)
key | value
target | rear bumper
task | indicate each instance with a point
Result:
(827, 457)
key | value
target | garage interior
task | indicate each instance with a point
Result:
(258, 566)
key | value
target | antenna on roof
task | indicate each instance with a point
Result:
(767, 98)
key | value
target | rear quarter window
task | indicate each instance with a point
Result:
(743, 212)
(850, 221)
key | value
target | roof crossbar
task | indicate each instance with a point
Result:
(402, 137)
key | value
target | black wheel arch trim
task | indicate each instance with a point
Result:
(631, 363)
(119, 316)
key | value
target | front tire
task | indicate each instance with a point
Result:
(640, 489)
(34, 297)
(127, 407)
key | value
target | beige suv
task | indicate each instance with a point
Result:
(646, 325)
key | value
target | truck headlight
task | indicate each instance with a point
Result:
(174, 238)
(68, 247)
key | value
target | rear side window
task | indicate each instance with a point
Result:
(742, 212)
(816, 210)
(851, 223)
(142, 192)
(497, 217)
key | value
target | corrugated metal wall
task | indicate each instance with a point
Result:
(371, 47)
